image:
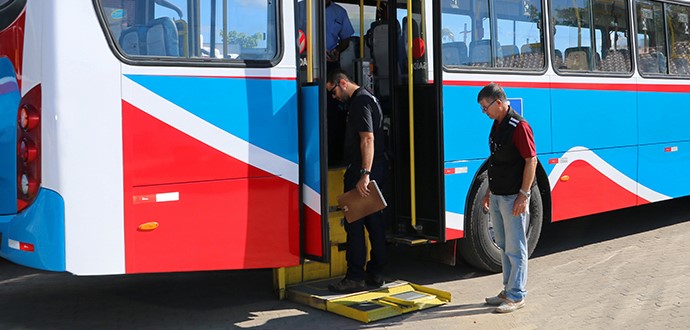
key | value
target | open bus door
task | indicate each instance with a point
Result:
(313, 133)
(416, 123)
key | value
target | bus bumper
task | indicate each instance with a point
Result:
(35, 237)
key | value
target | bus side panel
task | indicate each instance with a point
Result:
(664, 171)
(36, 236)
(465, 127)
(600, 119)
(660, 122)
(9, 105)
(587, 181)
(458, 178)
(217, 175)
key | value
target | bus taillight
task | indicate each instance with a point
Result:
(28, 148)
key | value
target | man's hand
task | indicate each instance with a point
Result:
(333, 55)
(362, 186)
(520, 205)
(485, 202)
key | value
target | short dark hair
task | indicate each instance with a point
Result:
(492, 91)
(336, 75)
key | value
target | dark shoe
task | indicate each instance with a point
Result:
(374, 280)
(347, 286)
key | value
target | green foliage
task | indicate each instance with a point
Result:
(241, 38)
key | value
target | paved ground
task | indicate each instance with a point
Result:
(621, 270)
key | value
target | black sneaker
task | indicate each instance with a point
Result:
(347, 286)
(374, 280)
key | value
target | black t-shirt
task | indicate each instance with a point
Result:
(364, 115)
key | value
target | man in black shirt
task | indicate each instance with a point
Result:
(365, 159)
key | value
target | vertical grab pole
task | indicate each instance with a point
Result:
(410, 76)
(361, 28)
(310, 44)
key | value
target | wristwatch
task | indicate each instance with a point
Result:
(364, 172)
(526, 193)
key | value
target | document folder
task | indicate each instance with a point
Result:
(356, 207)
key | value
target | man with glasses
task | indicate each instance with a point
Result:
(512, 167)
(365, 159)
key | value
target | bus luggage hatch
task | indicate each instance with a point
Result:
(392, 299)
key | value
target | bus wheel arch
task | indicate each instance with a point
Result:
(477, 247)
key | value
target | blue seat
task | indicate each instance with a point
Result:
(158, 38)
(454, 53)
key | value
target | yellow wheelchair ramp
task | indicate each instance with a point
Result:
(392, 299)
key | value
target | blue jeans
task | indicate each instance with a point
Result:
(510, 235)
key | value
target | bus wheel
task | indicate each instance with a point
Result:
(478, 248)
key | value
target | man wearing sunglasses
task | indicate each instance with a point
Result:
(512, 167)
(365, 159)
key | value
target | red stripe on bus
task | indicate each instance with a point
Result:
(581, 86)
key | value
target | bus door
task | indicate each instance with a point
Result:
(416, 123)
(313, 129)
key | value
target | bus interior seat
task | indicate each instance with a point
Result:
(161, 38)
(616, 61)
(510, 50)
(158, 38)
(403, 43)
(532, 55)
(379, 50)
(577, 58)
(348, 56)
(454, 53)
(680, 66)
(652, 61)
(558, 58)
(511, 56)
(480, 52)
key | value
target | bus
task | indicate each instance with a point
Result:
(141, 136)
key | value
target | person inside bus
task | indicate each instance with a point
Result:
(338, 31)
(364, 155)
(512, 167)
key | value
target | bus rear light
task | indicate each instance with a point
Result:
(28, 148)
(28, 185)
(28, 119)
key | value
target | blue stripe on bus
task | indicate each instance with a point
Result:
(41, 224)
(9, 104)
(311, 138)
(262, 112)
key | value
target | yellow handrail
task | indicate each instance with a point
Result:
(410, 76)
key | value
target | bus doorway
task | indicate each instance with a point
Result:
(394, 59)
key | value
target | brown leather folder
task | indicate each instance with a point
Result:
(356, 207)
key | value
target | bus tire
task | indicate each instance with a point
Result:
(478, 247)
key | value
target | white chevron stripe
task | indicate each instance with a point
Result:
(186, 122)
(584, 154)
(455, 220)
(311, 198)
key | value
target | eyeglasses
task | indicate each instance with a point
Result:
(485, 109)
(331, 92)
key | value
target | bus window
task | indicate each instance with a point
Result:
(651, 43)
(519, 24)
(678, 39)
(572, 34)
(613, 18)
(208, 30)
(510, 37)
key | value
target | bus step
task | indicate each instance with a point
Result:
(392, 299)
(410, 240)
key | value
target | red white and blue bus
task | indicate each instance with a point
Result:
(182, 135)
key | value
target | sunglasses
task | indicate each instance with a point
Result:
(331, 92)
